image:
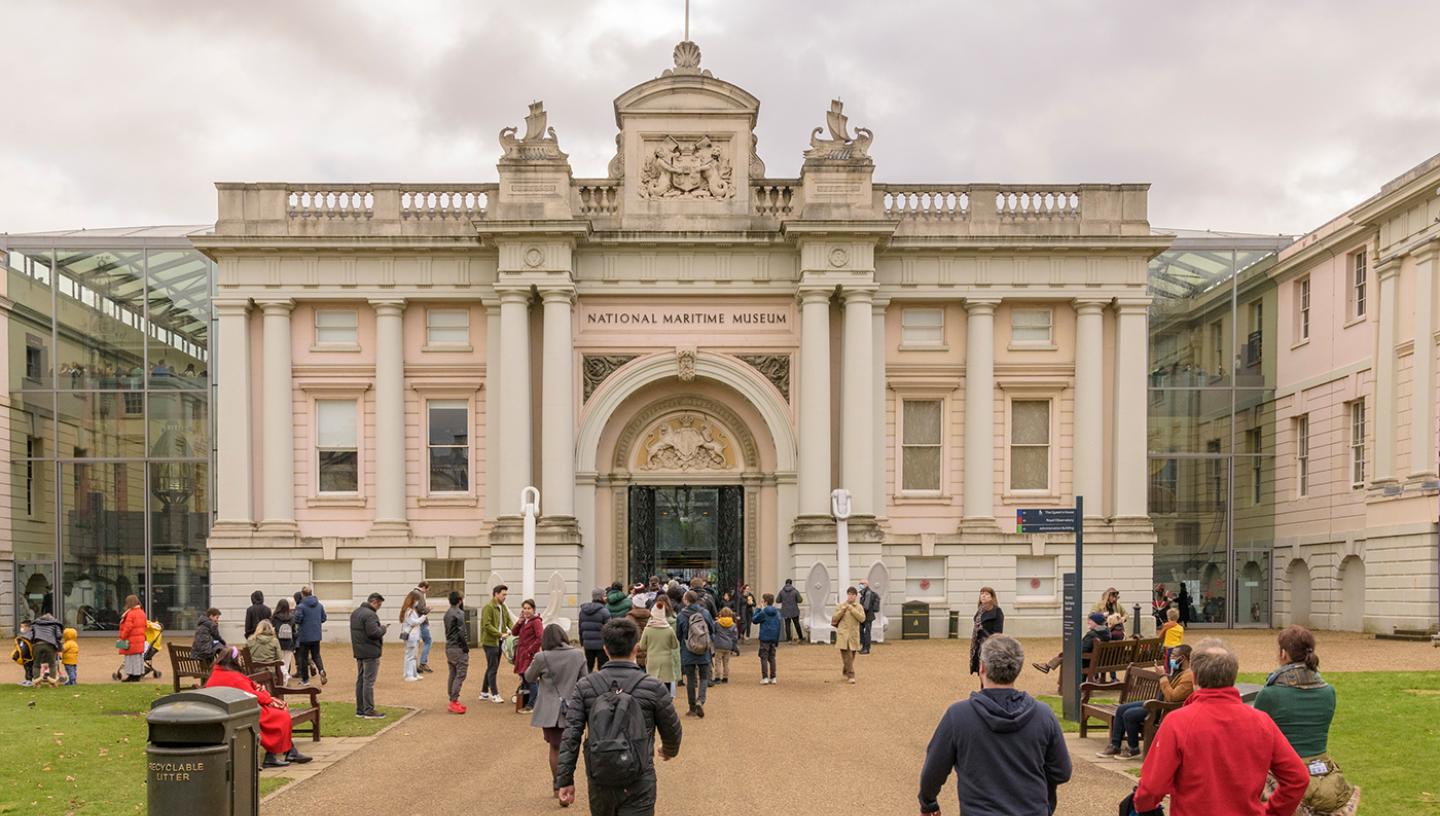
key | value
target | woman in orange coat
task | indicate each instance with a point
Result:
(274, 719)
(132, 631)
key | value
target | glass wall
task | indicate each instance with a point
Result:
(108, 428)
(1211, 425)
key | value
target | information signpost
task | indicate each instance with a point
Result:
(1066, 520)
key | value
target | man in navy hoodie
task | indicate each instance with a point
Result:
(1007, 749)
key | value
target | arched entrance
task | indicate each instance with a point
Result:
(1352, 594)
(1297, 578)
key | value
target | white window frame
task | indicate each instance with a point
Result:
(323, 587)
(1052, 476)
(432, 344)
(1302, 455)
(317, 449)
(1358, 278)
(1029, 567)
(1357, 418)
(900, 445)
(1302, 309)
(470, 440)
(1032, 344)
(434, 594)
(918, 334)
(936, 592)
(324, 314)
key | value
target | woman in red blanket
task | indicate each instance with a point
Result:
(274, 719)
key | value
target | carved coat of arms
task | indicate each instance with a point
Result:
(689, 169)
(685, 443)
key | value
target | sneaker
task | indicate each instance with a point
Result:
(412, 679)
(774, 680)
(1043, 668)
(27, 684)
(764, 681)
(274, 761)
(456, 708)
(484, 696)
(851, 680)
(323, 679)
(373, 715)
(297, 758)
(495, 698)
(1110, 752)
(1129, 753)
(700, 711)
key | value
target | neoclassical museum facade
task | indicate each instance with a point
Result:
(685, 357)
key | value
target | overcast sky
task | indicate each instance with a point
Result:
(1255, 116)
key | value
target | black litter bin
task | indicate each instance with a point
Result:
(472, 627)
(914, 620)
(204, 754)
(954, 633)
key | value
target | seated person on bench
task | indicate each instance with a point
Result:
(1098, 632)
(274, 718)
(1130, 717)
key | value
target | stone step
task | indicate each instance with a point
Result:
(1420, 632)
(1421, 637)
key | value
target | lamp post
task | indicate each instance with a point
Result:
(529, 508)
(840, 508)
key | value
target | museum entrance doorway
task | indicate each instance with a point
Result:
(687, 531)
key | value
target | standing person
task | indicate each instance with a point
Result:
(24, 654)
(457, 650)
(619, 761)
(1212, 755)
(207, 641)
(1303, 706)
(423, 606)
(554, 673)
(870, 602)
(768, 619)
(1184, 600)
(410, 623)
(618, 600)
(694, 625)
(257, 612)
(1175, 687)
(790, 601)
(659, 645)
(529, 631)
(593, 616)
(284, 622)
(495, 622)
(274, 720)
(367, 643)
(747, 612)
(47, 633)
(70, 657)
(727, 642)
(989, 620)
(132, 631)
(1007, 750)
(1172, 633)
(848, 618)
(309, 618)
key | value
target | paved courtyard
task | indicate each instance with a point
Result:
(808, 745)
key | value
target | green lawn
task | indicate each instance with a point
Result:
(82, 750)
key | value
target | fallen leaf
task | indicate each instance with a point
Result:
(69, 779)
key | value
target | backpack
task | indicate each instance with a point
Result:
(24, 651)
(697, 634)
(872, 600)
(285, 631)
(615, 740)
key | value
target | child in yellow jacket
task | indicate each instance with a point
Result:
(70, 656)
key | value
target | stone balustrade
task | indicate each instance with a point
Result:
(1018, 209)
(597, 197)
(461, 202)
(776, 198)
(949, 202)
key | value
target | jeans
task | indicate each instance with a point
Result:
(636, 800)
(697, 681)
(722, 665)
(412, 649)
(366, 670)
(595, 659)
(865, 635)
(425, 638)
(799, 635)
(491, 683)
(71, 674)
(459, 663)
(767, 659)
(304, 653)
(1129, 719)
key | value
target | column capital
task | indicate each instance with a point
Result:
(388, 307)
(1427, 251)
(814, 294)
(1091, 306)
(278, 306)
(513, 293)
(879, 303)
(1389, 267)
(858, 293)
(1132, 305)
(554, 294)
(981, 306)
(231, 306)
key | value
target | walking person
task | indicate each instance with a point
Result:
(283, 619)
(593, 616)
(694, 628)
(256, 612)
(495, 623)
(554, 673)
(529, 631)
(410, 622)
(747, 612)
(620, 760)
(727, 643)
(457, 650)
(367, 643)
(870, 602)
(989, 620)
(309, 618)
(1007, 750)
(790, 600)
(768, 619)
(847, 620)
(659, 647)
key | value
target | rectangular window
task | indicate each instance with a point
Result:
(1030, 445)
(924, 578)
(32, 448)
(34, 358)
(1254, 442)
(336, 446)
(1215, 473)
(922, 327)
(445, 576)
(1254, 343)
(1035, 577)
(1217, 346)
(1302, 455)
(1031, 327)
(1358, 276)
(449, 446)
(1357, 443)
(336, 327)
(447, 327)
(330, 581)
(920, 445)
(1302, 303)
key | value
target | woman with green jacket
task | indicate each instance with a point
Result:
(660, 645)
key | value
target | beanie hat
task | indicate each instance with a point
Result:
(1097, 618)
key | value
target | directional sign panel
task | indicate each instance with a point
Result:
(1046, 520)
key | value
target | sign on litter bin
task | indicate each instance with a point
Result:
(203, 754)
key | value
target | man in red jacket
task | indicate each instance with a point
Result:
(1211, 756)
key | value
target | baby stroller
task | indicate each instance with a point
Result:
(154, 638)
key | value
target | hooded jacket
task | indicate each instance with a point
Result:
(768, 617)
(619, 603)
(257, 612)
(593, 616)
(309, 615)
(46, 629)
(70, 652)
(1007, 751)
(655, 706)
(789, 600)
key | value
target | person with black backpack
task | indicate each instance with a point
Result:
(870, 602)
(621, 707)
(695, 627)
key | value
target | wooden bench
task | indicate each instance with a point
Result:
(1141, 684)
(183, 666)
(266, 678)
(251, 666)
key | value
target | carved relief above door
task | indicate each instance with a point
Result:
(686, 442)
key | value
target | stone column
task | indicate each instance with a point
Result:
(557, 419)
(878, 393)
(513, 467)
(1422, 399)
(389, 416)
(814, 415)
(1130, 493)
(278, 512)
(857, 449)
(1090, 404)
(980, 411)
(492, 408)
(1385, 363)
(233, 478)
